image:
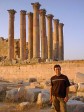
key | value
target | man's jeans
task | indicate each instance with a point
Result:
(59, 104)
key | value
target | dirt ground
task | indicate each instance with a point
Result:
(12, 107)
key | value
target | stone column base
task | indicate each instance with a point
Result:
(34, 60)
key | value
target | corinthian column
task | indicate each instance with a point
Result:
(56, 40)
(50, 37)
(36, 38)
(30, 35)
(43, 33)
(11, 34)
(22, 35)
(61, 43)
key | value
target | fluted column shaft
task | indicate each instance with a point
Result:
(30, 35)
(17, 49)
(43, 33)
(22, 35)
(56, 40)
(61, 42)
(50, 37)
(36, 38)
(11, 34)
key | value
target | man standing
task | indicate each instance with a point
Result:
(59, 90)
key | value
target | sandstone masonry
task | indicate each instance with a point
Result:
(45, 42)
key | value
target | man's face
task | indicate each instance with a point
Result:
(57, 70)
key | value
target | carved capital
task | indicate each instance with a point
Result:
(49, 16)
(23, 12)
(36, 5)
(11, 11)
(42, 12)
(56, 21)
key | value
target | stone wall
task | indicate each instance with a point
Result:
(4, 47)
(40, 70)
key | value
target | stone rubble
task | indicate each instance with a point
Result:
(37, 91)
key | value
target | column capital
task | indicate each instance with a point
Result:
(61, 24)
(49, 16)
(56, 21)
(11, 11)
(42, 11)
(30, 13)
(36, 5)
(23, 12)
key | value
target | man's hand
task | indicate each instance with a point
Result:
(50, 99)
(66, 99)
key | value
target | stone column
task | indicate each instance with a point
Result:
(17, 49)
(50, 36)
(36, 38)
(56, 40)
(43, 33)
(11, 34)
(61, 43)
(22, 34)
(30, 35)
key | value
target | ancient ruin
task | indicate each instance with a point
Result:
(11, 35)
(26, 67)
(22, 35)
(45, 37)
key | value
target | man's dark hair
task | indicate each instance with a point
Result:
(57, 66)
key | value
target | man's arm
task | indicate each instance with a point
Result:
(51, 93)
(67, 92)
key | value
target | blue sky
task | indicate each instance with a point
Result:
(69, 12)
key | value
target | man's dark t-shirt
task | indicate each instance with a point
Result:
(59, 85)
